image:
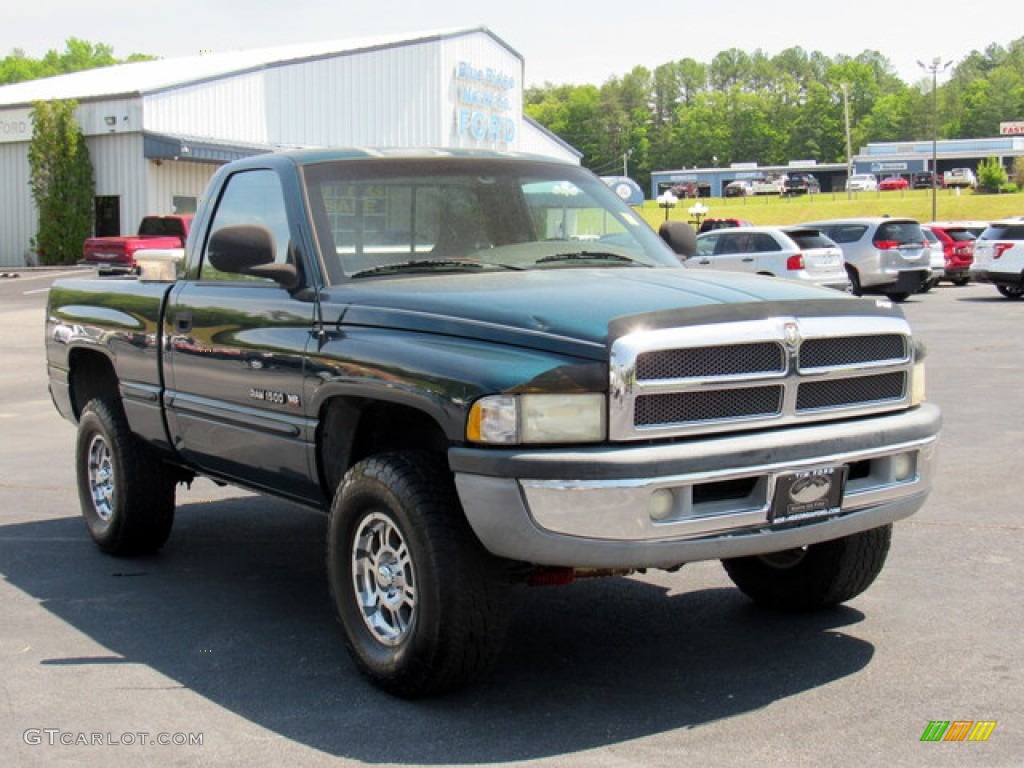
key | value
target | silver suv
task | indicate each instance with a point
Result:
(999, 257)
(883, 254)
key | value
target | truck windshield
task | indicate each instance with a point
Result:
(441, 215)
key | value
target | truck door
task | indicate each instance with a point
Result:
(234, 354)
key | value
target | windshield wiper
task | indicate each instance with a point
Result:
(588, 256)
(429, 265)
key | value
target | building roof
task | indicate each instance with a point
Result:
(161, 74)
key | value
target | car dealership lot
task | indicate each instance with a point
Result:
(227, 636)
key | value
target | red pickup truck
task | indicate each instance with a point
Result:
(117, 254)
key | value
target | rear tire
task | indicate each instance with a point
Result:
(814, 577)
(420, 601)
(126, 491)
(855, 287)
(1012, 292)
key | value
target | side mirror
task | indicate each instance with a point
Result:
(249, 250)
(680, 237)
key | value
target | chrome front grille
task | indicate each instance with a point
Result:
(725, 360)
(730, 376)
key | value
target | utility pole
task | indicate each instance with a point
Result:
(849, 144)
(935, 67)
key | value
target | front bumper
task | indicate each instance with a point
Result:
(590, 507)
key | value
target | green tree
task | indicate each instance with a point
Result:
(991, 175)
(76, 56)
(61, 181)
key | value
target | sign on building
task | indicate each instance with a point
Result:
(1015, 128)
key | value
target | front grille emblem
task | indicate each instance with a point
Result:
(792, 334)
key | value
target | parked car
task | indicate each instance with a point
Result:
(116, 255)
(999, 257)
(923, 180)
(883, 254)
(795, 253)
(770, 185)
(937, 263)
(960, 177)
(890, 183)
(480, 392)
(685, 189)
(738, 188)
(957, 244)
(862, 182)
(974, 227)
(802, 184)
(709, 225)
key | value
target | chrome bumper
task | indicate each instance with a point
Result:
(598, 512)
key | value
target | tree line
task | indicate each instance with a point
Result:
(750, 107)
(77, 55)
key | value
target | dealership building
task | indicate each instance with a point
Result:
(158, 130)
(897, 158)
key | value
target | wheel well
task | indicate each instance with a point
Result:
(92, 375)
(353, 428)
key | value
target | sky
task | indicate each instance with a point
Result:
(561, 41)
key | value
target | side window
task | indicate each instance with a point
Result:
(765, 243)
(727, 243)
(251, 198)
(706, 245)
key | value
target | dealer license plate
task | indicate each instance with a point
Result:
(808, 493)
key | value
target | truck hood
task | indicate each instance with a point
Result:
(576, 311)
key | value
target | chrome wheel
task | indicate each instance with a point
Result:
(101, 478)
(383, 579)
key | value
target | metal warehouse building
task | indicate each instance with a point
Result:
(157, 130)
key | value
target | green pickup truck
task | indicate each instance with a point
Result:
(488, 371)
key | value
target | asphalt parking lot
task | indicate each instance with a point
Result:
(223, 650)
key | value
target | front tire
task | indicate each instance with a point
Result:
(1013, 292)
(126, 491)
(813, 577)
(420, 601)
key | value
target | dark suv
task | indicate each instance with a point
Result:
(801, 184)
(923, 180)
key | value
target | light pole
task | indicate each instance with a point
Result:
(849, 143)
(697, 212)
(935, 68)
(667, 201)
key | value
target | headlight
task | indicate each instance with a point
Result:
(540, 418)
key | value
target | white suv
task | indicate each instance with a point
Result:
(862, 182)
(795, 253)
(999, 257)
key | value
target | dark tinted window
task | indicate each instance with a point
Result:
(961, 235)
(930, 236)
(902, 232)
(847, 233)
(810, 238)
(1000, 232)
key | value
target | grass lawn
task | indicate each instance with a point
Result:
(915, 204)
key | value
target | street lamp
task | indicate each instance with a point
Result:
(697, 212)
(667, 201)
(935, 68)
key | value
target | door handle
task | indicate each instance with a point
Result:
(183, 322)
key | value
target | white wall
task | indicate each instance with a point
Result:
(18, 216)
